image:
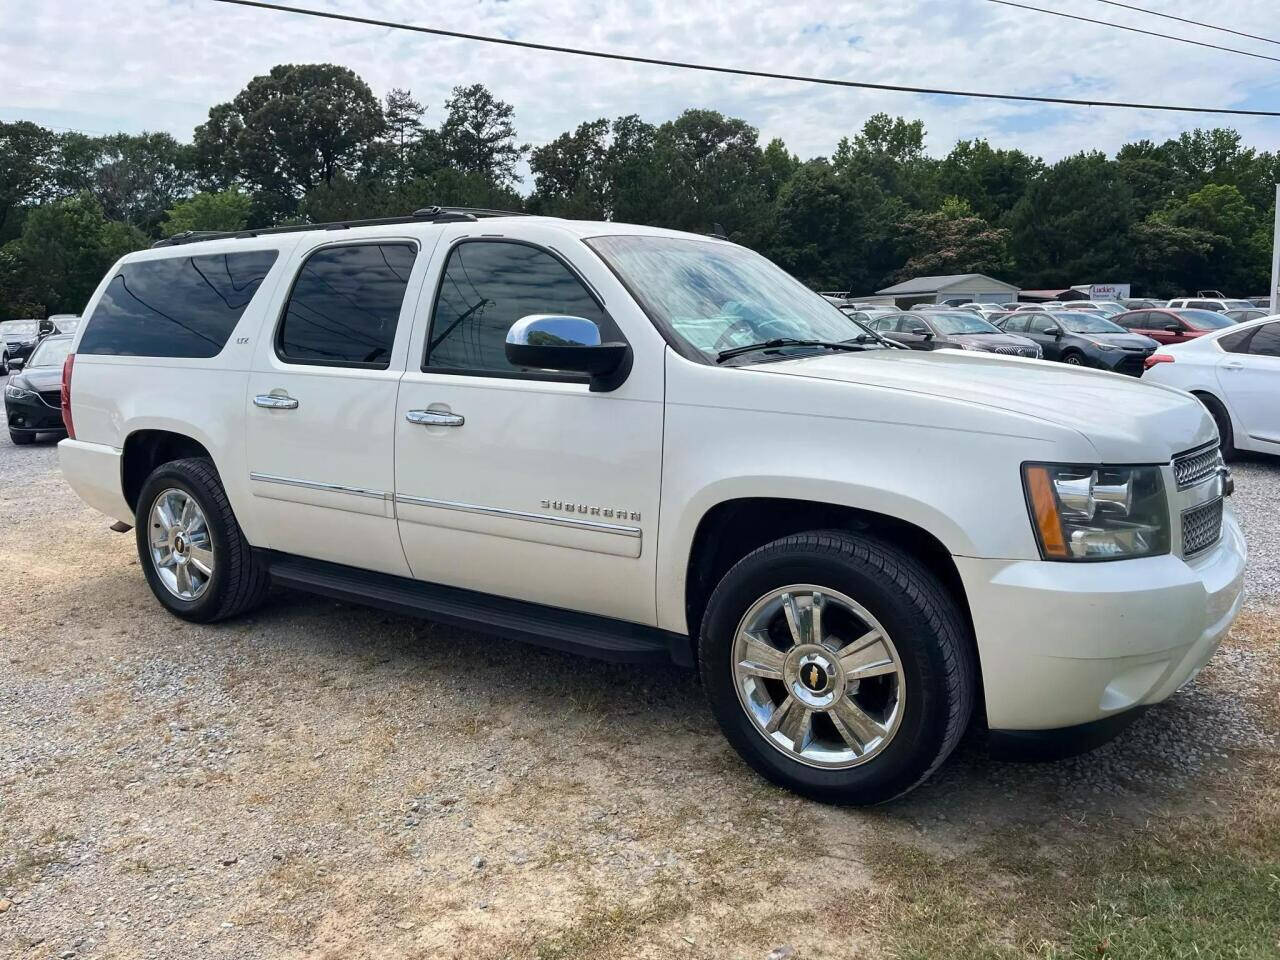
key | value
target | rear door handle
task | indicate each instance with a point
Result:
(435, 418)
(275, 401)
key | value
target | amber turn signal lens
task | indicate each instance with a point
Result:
(1045, 506)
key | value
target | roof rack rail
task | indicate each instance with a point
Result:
(433, 214)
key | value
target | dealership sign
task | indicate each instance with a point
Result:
(1106, 291)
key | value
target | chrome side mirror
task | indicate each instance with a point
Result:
(551, 342)
(17, 363)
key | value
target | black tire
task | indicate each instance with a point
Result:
(1226, 436)
(931, 635)
(1075, 358)
(22, 439)
(239, 581)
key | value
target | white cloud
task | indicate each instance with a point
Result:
(160, 64)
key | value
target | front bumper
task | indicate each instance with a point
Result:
(1064, 644)
(1129, 362)
(33, 415)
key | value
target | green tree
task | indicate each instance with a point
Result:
(26, 168)
(65, 248)
(952, 240)
(137, 178)
(570, 173)
(1221, 243)
(890, 150)
(222, 210)
(289, 131)
(479, 136)
(991, 180)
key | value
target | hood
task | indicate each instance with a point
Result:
(40, 378)
(1126, 419)
(1121, 339)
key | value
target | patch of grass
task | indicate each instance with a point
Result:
(1202, 887)
(602, 928)
(23, 862)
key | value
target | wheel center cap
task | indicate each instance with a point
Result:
(815, 677)
(179, 544)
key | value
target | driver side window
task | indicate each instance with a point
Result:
(486, 286)
(1042, 323)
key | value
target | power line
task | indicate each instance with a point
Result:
(1194, 23)
(1149, 33)
(738, 71)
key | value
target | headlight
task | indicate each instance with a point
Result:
(1104, 346)
(15, 392)
(1097, 513)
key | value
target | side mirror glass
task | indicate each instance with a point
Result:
(568, 344)
(17, 363)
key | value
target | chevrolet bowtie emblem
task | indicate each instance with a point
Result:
(813, 676)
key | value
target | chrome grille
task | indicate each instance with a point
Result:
(1201, 527)
(1196, 466)
(1015, 351)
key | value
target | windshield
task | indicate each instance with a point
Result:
(966, 322)
(51, 352)
(1236, 304)
(1205, 319)
(714, 296)
(1086, 321)
(1110, 309)
(18, 328)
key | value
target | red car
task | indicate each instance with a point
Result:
(1172, 325)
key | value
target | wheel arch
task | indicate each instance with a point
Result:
(730, 529)
(147, 448)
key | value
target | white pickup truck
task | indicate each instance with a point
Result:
(647, 446)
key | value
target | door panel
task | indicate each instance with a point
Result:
(320, 420)
(1251, 383)
(545, 491)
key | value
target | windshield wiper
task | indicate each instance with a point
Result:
(724, 355)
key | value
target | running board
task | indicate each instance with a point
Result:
(570, 631)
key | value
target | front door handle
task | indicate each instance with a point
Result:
(435, 418)
(275, 401)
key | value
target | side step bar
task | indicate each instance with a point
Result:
(604, 638)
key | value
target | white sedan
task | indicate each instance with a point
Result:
(1235, 372)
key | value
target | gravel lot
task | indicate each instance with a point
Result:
(321, 780)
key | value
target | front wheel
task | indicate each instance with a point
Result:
(195, 557)
(1075, 359)
(838, 666)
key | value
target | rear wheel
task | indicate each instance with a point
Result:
(838, 666)
(194, 555)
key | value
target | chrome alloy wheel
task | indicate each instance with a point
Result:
(181, 547)
(819, 676)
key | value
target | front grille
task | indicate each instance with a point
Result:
(1201, 527)
(52, 398)
(1196, 466)
(1015, 351)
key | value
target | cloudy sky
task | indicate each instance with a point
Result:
(138, 65)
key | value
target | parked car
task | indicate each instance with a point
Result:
(1083, 338)
(983, 309)
(1240, 316)
(1141, 303)
(865, 315)
(33, 395)
(17, 339)
(1208, 303)
(1261, 302)
(1235, 372)
(1108, 307)
(1035, 307)
(1170, 326)
(955, 329)
(647, 445)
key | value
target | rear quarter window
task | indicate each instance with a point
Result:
(175, 307)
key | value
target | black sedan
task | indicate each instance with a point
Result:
(33, 395)
(957, 329)
(1083, 338)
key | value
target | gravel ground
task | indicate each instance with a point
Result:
(321, 780)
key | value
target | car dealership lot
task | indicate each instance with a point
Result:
(327, 780)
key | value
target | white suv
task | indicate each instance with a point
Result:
(1212, 303)
(647, 446)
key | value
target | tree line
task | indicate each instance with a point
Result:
(312, 143)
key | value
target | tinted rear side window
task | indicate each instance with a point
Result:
(345, 305)
(176, 307)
